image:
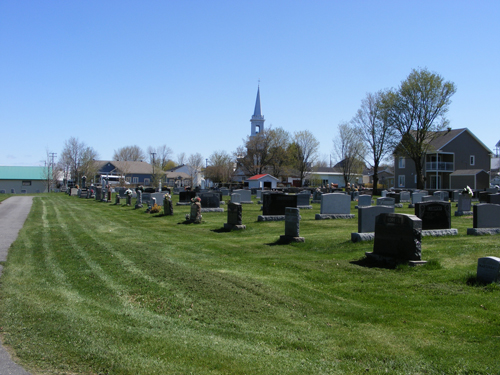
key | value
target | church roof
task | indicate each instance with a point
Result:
(259, 176)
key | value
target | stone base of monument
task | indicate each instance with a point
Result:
(222, 202)
(439, 232)
(308, 207)
(391, 260)
(360, 237)
(333, 216)
(398, 205)
(246, 202)
(183, 203)
(138, 206)
(464, 213)
(316, 201)
(212, 209)
(271, 218)
(230, 227)
(482, 231)
(289, 239)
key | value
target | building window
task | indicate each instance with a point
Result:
(147, 182)
(26, 183)
(401, 180)
(472, 160)
(401, 162)
(135, 180)
(127, 179)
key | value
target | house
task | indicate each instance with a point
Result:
(385, 177)
(455, 158)
(130, 172)
(261, 181)
(189, 175)
(26, 180)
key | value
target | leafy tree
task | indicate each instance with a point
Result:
(304, 152)
(371, 120)
(221, 168)
(350, 150)
(129, 153)
(254, 156)
(416, 111)
(279, 158)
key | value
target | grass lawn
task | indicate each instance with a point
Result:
(95, 288)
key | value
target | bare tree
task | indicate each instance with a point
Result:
(195, 163)
(254, 156)
(304, 152)
(376, 131)
(417, 112)
(181, 158)
(89, 167)
(129, 153)
(71, 157)
(350, 150)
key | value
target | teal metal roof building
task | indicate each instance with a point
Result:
(25, 180)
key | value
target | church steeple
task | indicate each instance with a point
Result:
(257, 119)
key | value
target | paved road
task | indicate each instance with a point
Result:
(13, 213)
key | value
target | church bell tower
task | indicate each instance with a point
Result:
(257, 119)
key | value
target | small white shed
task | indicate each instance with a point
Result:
(261, 181)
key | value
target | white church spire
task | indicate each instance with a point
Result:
(257, 119)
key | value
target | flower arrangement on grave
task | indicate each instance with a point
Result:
(195, 200)
(167, 197)
(139, 188)
(128, 192)
(467, 191)
(155, 209)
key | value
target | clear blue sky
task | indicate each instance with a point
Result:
(185, 73)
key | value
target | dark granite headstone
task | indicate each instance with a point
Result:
(275, 204)
(494, 198)
(234, 214)
(486, 215)
(488, 269)
(483, 196)
(210, 200)
(434, 214)
(292, 226)
(398, 236)
(186, 196)
(395, 196)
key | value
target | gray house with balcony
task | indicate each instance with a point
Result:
(455, 158)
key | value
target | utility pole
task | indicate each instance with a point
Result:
(50, 170)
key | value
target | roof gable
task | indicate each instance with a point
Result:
(260, 176)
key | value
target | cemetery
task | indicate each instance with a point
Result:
(215, 288)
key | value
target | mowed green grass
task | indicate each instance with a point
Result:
(95, 288)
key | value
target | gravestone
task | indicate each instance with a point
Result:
(168, 207)
(335, 206)
(317, 196)
(405, 196)
(303, 200)
(235, 198)
(364, 200)
(185, 197)
(117, 199)
(259, 194)
(383, 193)
(435, 215)
(438, 195)
(274, 205)
(195, 215)
(138, 202)
(488, 269)
(398, 237)
(386, 202)
(354, 195)
(245, 196)
(74, 191)
(395, 196)
(428, 198)
(146, 199)
(483, 196)
(493, 190)
(486, 215)
(464, 205)
(98, 193)
(234, 217)
(225, 192)
(129, 199)
(455, 195)
(158, 197)
(292, 226)
(367, 215)
(210, 202)
(415, 198)
(494, 198)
